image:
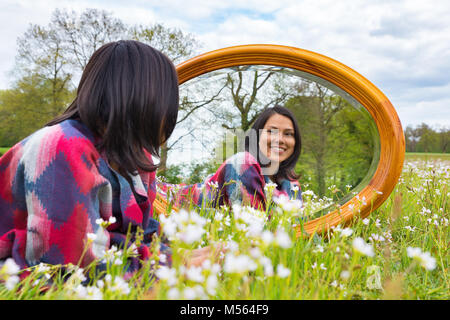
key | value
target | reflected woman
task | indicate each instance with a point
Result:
(272, 148)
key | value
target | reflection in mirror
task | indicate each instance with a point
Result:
(340, 141)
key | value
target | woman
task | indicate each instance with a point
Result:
(92, 164)
(272, 148)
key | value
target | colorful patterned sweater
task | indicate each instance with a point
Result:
(54, 186)
(238, 180)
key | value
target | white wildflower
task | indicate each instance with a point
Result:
(218, 216)
(282, 239)
(91, 237)
(424, 258)
(362, 247)
(195, 274)
(93, 293)
(288, 205)
(11, 282)
(120, 285)
(282, 271)
(189, 293)
(376, 237)
(308, 193)
(255, 253)
(167, 274)
(238, 264)
(183, 225)
(345, 274)
(347, 232)
(211, 284)
(269, 187)
(319, 248)
(267, 237)
(267, 265)
(173, 294)
(9, 267)
(42, 268)
(105, 224)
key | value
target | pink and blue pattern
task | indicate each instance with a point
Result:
(54, 185)
(238, 180)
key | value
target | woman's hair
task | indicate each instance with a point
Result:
(127, 96)
(286, 168)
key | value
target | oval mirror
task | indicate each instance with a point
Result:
(352, 140)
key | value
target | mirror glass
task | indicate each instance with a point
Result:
(340, 141)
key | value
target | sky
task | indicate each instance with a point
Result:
(401, 46)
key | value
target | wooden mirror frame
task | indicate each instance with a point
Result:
(392, 140)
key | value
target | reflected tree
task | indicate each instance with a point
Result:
(337, 143)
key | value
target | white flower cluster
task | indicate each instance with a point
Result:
(312, 203)
(359, 245)
(106, 223)
(116, 285)
(346, 232)
(291, 207)
(194, 282)
(249, 220)
(187, 227)
(239, 263)
(9, 271)
(424, 258)
(268, 189)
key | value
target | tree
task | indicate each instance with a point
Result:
(83, 34)
(337, 147)
(41, 59)
(54, 56)
(245, 90)
(28, 106)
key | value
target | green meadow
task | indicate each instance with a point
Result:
(401, 251)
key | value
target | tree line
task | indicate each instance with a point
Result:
(423, 138)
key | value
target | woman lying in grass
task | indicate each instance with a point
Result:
(88, 175)
(272, 147)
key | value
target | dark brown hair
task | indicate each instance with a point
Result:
(127, 96)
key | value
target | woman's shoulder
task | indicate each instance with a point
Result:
(68, 139)
(72, 132)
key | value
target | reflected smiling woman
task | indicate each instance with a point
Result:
(272, 148)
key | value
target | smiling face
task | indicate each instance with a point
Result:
(277, 139)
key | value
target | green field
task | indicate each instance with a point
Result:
(3, 150)
(401, 251)
(426, 156)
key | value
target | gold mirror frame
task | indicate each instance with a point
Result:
(392, 140)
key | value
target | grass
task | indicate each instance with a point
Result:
(426, 156)
(401, 251)
(3, 150)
